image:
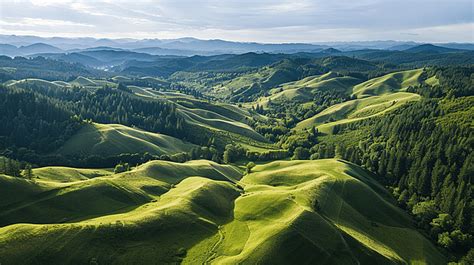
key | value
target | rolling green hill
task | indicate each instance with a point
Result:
(87, 82)
(389, 83)
(255, 84)
(121, 78)
(115, 139)
(374, 97)
(199, 212)
(31, 82)
(83, 81)
(303, 90)
(355, 110)
(57, 199)
(283, 200)
(68, 174)
(223, 121)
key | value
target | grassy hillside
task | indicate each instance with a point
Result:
(31, 82)
(305, 212)
(355, 110)
(79, 81)
(223, 121)
(121, 78)
(374, 97)
(389, 83)
(58, 199)
(68, 174)
(198, 212)
(255, 84)
(83, 81)
(303, 90)
(115, 139)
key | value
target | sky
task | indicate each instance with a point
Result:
(265, 21)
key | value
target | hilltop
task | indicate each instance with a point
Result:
(222, 219)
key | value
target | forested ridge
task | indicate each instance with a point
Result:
(33, 121)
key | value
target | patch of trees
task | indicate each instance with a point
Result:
(209, 152)
(121, 167)
(305, 139)
(10, 167)
(292, 112)
(269, 155)
(453, 82)
(15, 168)
(124, 88)
(111, 106)
(108, 105)
(187, 90)
(234, 153)
(33, 122)
(272, 132)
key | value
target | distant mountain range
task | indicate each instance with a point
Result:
(12, 45)
(11, 50)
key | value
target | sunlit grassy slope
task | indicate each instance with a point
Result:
(79, 81)
(398, 81)
(285, 212)
(115, 139)
(373, 97)
(355, 110)
(68, 174)
(31, 82)
(303, 90)
(219, 119)
(83, 81)
(60, 199)
(223, 121)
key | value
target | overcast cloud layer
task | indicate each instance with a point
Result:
(244, 20)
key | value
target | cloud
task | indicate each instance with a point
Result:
(245, 20)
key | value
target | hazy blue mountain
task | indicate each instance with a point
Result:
(460, 46)
(430, 48)
(193, 46)
(7, 49)
(11, 50)
(38, 48)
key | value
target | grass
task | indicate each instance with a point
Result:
(79, 81)
(222, 120)
(34, 82)
(303, 212)
(83, 81)
(298, 212)
(68, 174)
(373, 97)
(120, 78)
(393, 82)
(432, 81)
(355, 110)
(115, 139)
(303, 90)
